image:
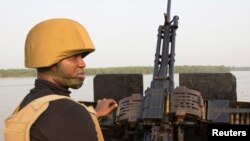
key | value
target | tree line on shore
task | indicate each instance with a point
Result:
(129, 70)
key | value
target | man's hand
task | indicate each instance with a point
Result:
(104, 107)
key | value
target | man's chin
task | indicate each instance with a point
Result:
(75, 86)
(75, 83)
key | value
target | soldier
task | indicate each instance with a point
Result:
(56, 48)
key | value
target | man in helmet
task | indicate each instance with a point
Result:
(56, 48)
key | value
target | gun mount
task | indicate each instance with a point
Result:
(192, 111)
(163, 112)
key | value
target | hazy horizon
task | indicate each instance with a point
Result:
(125, 32)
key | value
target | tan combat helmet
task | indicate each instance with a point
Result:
(53, 40)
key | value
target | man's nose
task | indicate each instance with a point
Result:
(81, 62)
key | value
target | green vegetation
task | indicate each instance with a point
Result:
(240, 68)
(119, 70)
(128, 70)
(17, 72)
(201, 69)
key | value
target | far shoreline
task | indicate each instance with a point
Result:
(129, 70)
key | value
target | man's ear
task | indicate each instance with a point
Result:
(54, 68)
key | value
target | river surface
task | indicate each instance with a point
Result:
(12, 90)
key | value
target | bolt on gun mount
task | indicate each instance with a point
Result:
(151, 111)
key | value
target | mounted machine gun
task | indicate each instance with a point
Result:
(150, 113)
(166, 113)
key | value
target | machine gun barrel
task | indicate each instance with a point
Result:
(164, 56)
(168, 10)
(156, 101)
(161, 57)
(172, 54)
(156, 105)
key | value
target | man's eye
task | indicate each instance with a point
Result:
(75, 57)
(72, 58)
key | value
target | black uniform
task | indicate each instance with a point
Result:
(64, 120)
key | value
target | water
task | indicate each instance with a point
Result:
(14, 89)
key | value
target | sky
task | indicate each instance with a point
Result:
(124, 32)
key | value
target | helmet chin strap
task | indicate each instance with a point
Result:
(66, 82)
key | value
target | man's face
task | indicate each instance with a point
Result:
(70, 72)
